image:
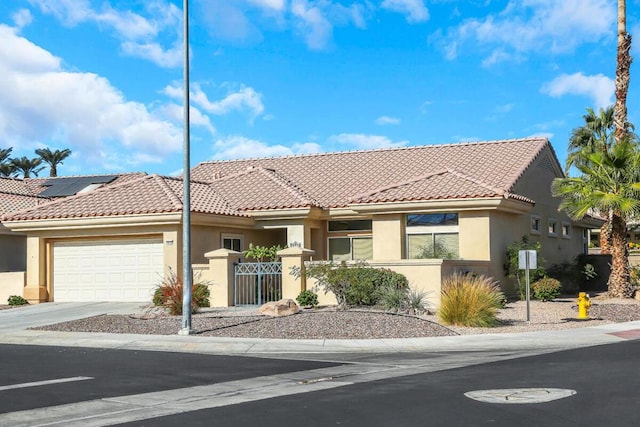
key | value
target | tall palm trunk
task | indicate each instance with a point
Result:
(623, 66)
(619, 286)
(605, 238)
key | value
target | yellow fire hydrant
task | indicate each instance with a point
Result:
(583, 305)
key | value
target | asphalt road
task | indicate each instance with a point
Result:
(169, 389)
(606, 380)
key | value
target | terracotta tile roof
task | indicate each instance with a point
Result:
(16, 202)
(148, 194)
(37, 184)
(476, 169)
(261, 189)
(15, 186)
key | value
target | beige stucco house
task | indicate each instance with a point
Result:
(402, 208)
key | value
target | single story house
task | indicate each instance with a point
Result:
(402, 207)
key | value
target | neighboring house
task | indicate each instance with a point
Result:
(20, 194)
(389, 206)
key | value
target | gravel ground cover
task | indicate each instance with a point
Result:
(329, 323)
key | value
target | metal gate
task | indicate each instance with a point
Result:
(257, 282)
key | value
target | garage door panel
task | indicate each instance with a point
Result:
(120, 270)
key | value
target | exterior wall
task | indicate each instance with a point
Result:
(11, 283)
(475, 235)
(205, 239)
(388, 236)
(424, 275)
(13, 252)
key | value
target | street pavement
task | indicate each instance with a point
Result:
(113, 378)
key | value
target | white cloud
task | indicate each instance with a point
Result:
(140, 36)
(239, 147)
(22, 18)
(43, 102)
(386, 120)
(269, 4)
(415, 10)
(364, 142)
(531, 26)
(599, 88)
(312, 24)
(243, 99)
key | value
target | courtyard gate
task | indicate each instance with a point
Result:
(257, 282)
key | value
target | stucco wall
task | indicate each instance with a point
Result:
(11, 284)
(536, 184)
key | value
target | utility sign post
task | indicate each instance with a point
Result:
(527, 259)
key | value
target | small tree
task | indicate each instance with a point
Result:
(262, 253)
(27, 166)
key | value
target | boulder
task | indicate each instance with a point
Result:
(284, 307)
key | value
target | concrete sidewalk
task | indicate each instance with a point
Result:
(14, 324)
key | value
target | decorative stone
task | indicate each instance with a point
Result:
(284, 307)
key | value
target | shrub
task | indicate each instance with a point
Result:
(512, 269)
(405, 300)
(546, 289)
(307, 298)
(262, 253)
(354, 285)
(469, 300)
(17, 300)
(169, 294)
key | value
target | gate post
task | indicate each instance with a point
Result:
(221, 274)
(293, 257)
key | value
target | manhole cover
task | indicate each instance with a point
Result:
(520, 395)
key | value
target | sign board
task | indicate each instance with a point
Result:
(522, 259)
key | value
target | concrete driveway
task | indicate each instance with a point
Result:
(55, 312)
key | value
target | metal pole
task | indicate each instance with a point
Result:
(526, 273)
(187, 277)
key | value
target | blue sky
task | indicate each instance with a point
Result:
(281, 77)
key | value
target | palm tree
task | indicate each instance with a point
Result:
(7, 169)
(595, 135)
(609, 182)
(4, 154)
(27, 166)
(53, 158)
(623, 66)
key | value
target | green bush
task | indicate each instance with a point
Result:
(169, 294)
(17, 300)
(307, 298)
(469, 300)
(546, 289)
(355, 285)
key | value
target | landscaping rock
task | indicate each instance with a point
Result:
(283, 307)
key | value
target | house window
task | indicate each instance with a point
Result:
(535, 224)
(433, 235)
(232, 242)
(350, 225)
(553, 227)
(566, 230)
(350, 248)
(350, 239)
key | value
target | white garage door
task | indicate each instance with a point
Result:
(107, 270)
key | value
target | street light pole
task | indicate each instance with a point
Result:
(187, 276)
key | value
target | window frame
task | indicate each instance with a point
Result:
(554, 222)
(537, 220)
(351, 238)
(230, 236)
(566, 226)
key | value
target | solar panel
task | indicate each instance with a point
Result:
(68, 186)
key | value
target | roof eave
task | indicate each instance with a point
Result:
(489, 203)
(94, 222)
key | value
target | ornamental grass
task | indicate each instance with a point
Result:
(470, 300)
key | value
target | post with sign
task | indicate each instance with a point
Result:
(527, 260)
